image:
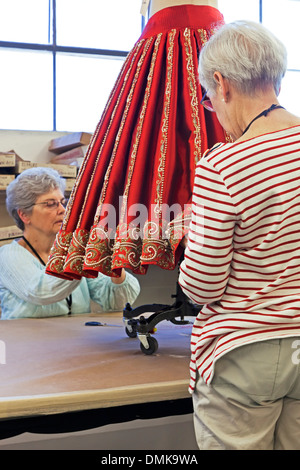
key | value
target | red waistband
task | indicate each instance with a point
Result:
(182, 16)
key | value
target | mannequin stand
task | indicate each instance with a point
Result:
(137, 325)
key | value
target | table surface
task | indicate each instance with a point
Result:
(58, 364)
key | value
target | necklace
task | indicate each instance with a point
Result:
(264, 113)
(68, 299)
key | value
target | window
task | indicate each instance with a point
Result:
(25, 21)
(26, 89)
(282, 18)
(83, 85)
(60, 58)
(237, 10)
(99, 24)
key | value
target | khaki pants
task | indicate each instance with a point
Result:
(253, 402)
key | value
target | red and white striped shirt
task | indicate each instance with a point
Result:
(242, 262)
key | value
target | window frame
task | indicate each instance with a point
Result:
(54, 48)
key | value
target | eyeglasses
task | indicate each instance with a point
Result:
(53, 203)
(206, 103)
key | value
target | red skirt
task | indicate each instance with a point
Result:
(130, 204)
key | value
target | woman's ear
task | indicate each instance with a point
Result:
(222, 86)
(24, 217)
(218, 78)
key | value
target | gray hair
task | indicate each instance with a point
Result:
(247, 54)
(23, 191)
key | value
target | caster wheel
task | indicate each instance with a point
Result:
(131, 333)
(153, 346)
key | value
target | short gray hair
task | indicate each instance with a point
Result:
(23, 191)
(247, 54)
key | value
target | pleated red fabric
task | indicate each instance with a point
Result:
(130, 204)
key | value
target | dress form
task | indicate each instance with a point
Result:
(136, 160)
(156, 5)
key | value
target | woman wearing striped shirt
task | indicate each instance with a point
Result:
(242, 261)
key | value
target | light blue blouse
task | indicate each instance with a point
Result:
(27, 291)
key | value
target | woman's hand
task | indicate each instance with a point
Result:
(119, 280)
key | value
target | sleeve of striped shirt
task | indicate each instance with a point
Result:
(206, 266)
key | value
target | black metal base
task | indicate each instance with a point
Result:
(137, 325)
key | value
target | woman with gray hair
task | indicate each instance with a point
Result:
(35, 199)
(242, 260)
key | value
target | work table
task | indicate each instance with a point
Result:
(58, 365)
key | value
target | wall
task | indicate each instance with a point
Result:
(29, 145)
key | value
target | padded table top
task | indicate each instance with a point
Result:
(59, 364)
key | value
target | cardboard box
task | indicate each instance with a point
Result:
(70, 141)
(67, 171)
(24, 165)
(5, 180)
(7, 159)
(71, 157)
(69, 184)
(6, 242)
(12, 231)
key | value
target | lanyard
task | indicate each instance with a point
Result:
(68, 299)
(264, 113)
